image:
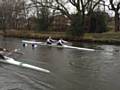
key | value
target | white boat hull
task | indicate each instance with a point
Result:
(17, 63)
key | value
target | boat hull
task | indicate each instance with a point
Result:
(54, 45)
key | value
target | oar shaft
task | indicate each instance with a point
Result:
(17, 63)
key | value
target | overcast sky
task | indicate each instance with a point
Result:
(111, 13)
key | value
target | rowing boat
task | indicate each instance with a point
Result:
(54, 45)
(17, 63)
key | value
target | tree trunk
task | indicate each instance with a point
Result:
(117, 22)
(88, 23)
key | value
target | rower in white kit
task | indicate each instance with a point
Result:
(61, 42)
(50, 40)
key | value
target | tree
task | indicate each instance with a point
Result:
(42, 13)
(115, 7)
(98, 22)
(96, 18)
(12, 12)
(83, 7)
(77, 28)
(43, 19)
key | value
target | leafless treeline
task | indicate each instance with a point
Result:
(22, 14)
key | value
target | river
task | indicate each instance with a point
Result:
(70, 69)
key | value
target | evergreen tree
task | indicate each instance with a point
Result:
(98, 22)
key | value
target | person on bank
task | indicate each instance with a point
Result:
(50, 40)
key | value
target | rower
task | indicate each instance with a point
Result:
(61, 42)
(3, 49)
(2, 57)
(50, 40)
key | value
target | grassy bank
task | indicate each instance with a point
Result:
(103, 38)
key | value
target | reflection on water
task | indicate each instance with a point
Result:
(70, 69)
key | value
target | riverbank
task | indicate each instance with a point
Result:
(101, 38)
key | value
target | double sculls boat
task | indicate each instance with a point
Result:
(55, 45)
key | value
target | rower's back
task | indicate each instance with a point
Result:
(60, 42)
(49, 40)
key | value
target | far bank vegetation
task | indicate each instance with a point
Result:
(74, 17)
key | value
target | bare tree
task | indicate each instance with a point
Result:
(83, 8)
(43, 12)
(12, 13)
(115, 7)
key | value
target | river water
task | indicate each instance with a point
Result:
(70, 69)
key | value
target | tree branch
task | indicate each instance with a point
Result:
(112, 5)
(118, 6)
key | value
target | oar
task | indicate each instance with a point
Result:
(21, 64)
